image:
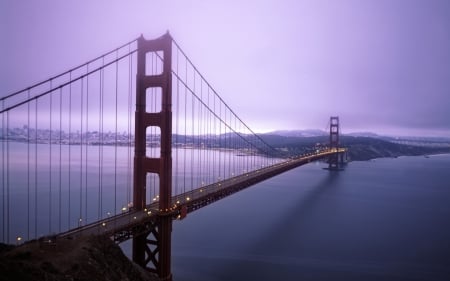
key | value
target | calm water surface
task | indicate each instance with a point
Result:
(386, 219)
(377, 220)
(47, 189)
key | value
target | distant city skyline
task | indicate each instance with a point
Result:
(382, 66)
(23, 133)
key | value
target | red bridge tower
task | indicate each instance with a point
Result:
(152, 250)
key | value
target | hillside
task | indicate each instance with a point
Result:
(364, 148)
(81, 259)
(360, 148)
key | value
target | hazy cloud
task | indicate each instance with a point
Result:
(381, 65)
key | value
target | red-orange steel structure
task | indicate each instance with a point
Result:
(152, 249)
(148, 224)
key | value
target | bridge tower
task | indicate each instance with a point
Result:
(152, 249)
(334, 160)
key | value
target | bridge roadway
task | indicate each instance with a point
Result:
(132, 222)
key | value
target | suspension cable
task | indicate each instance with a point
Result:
(215, 92)
(66, 83)
(69, 71)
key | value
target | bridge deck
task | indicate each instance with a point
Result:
(124, 225)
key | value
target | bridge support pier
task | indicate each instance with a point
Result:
(152, 250)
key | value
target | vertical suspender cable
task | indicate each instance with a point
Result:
(215, 142)
(5, 135)
(185, 128)
(204, 133)
(70, 152)
(115, 140)
(3, 174)
(224, 145)
(192, 138)
(255, 150)
(220, 139)
(199, 139)
(100, 144)
(60, 158)
(28, 168)
(35, 169)
(101, 134)
(80, 216)
(199, 160)
(231, 145)
(236, 146)
(8, 230)
(209, 147)
(87, 146)
(50, 161)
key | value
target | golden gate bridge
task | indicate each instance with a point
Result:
(124, 144)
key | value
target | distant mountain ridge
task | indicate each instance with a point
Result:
(298, 133)
(361, 146)
(367, 134)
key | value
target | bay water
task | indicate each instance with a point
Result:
(385, 219)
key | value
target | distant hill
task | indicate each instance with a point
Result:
(364, 134)
(298, 133)
(360, 147)
(365, 148)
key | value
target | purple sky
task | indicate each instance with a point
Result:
(381, 65)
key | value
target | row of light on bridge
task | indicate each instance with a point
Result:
(124, 209)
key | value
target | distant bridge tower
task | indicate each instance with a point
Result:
(335, 159)
(152, 249)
